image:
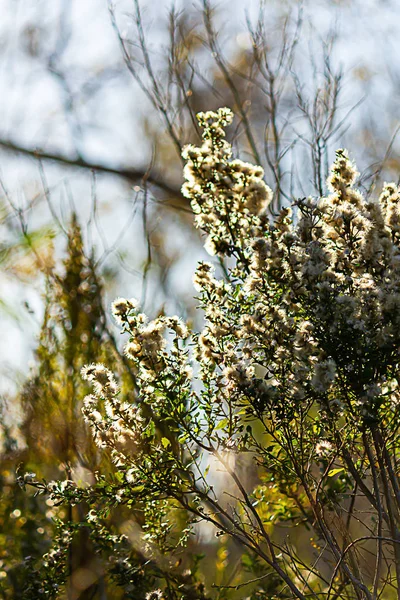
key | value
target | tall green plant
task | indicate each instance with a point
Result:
(53, 437)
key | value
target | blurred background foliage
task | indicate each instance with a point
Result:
(98, 101)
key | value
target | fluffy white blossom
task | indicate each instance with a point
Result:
(121, 308)
(323, 448)
(101, 378)
(228, 197)
(155, 595)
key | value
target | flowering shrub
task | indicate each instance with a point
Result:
(277, 423)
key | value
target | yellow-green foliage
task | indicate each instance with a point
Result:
(54, 441)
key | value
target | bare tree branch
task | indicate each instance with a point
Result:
(131, 175)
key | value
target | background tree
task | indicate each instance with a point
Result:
(52, 437)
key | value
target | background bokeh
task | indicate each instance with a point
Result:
(96, 101)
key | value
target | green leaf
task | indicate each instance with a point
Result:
(222, 424)
(119, 477)
(334, 472)
(165, 442)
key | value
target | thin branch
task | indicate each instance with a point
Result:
(131, 175)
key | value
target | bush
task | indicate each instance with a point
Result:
(277, 423)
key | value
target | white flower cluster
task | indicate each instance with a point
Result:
(115, 424)
(321, 297)
(127, 428)
(53, 558)
(148, 347)
(102, 379)
(121, 308)
(311, 312)
(228, 197)
(338, 272)
(155, 595)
